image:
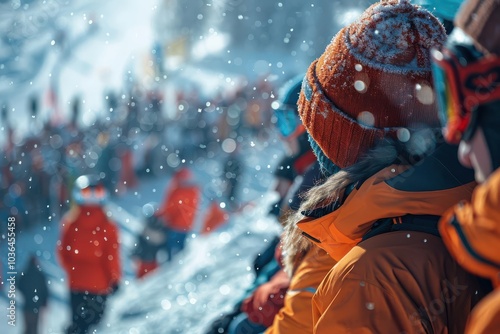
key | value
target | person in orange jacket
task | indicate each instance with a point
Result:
(468, 89)
(178, 210)
(368, 107)
(295, 316)
(88, 250)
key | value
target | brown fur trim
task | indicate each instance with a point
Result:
(295, 245)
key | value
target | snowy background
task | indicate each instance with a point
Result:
(180, 297)
(88, 48)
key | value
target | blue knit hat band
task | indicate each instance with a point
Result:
(327, 166)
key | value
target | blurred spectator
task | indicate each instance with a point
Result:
(215, 217)
(75, 112)
(178, 210)
(16, 204)
(300, 155)
(257, 115)
(32, 283)
(104, 160)
(4, 115)
(88, 250)
(34, 123)
(233, 168)
(150, 241)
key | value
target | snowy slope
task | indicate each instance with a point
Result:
(207, 279)
(213, 272)
(183, 296)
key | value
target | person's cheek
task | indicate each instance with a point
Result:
(464, 152)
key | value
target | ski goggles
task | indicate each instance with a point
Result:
(90, 195)
(287, 119)
(462, 87)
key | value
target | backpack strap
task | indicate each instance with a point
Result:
(416, 223)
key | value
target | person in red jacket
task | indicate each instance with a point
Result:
(468, 88)
(88, 251)
(178, 210)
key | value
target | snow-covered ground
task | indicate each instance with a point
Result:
(207, 280)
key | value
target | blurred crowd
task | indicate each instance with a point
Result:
(134, 138)
(63, 171)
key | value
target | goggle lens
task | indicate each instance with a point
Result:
(442, 91)
(449, 112)
(287, 121)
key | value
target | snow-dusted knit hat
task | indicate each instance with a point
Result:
(373, 80)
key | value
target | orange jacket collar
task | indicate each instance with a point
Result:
(471, 231)
(340, 230)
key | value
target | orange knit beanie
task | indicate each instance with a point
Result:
(373, 80)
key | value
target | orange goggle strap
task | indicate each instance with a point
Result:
(465, 88)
